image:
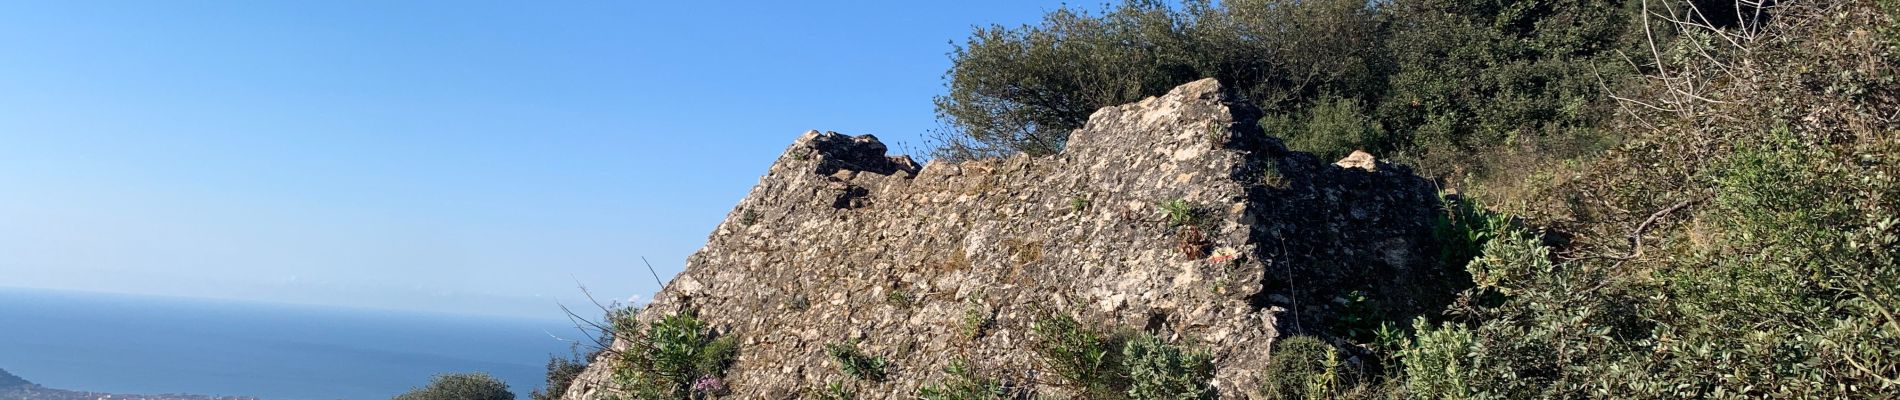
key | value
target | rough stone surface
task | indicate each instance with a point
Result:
(1359, 159)
(815, 252)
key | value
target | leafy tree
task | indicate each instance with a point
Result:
(561, 374)
(1468, 75)
(460, 386)
(1023, 89)
(1432, 79)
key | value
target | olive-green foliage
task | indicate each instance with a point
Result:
(1793, 301)
(1182, 214)
(1306, 368)
(963, 384)
(855, 363)
(1078, 204)
(1739, 244)
(669, 355)
(834, 391)
(1087, 359)
(899, 297)
(1072, 63)
(1359, 318)
(1461, 228)
(1122, 365)
(472, 386)
(1158, 370)
(1439, 364)
(1554, 324)
(977, 320)
(560, 375)
(1471, 74)
(1801, 287)
(1331, 128)
(1892, 28)
(1435, 79)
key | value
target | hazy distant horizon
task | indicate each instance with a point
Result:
(536, 315)
(153, 345)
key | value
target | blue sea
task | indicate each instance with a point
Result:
(147, 345)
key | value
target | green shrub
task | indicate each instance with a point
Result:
(1087, 359)
(1305, 368)
(1510, 263)
(976, 320)
(1441, 363)
(1070, 64)
(1181, 214)
(1432, 80)
(671, 355)
(1461, 228)
(834, 391)
(1078, 204)
(473, 386)
(1331, 128)
(561, 373)
(1122, 365)
(1800, 288)
(1157, 370)
(1543, 329)
(963, 384)
(1360, 318)
(855, 363)
(899, 297)
(1783, 292)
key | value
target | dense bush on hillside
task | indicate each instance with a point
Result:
(675, 357)
(1432, 80)
(561, 373)
(1739, 243)
(475, 386)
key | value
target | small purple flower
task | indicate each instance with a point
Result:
(709, 384)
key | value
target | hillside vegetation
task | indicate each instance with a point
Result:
(1636, 199)
(1655, 199)
(1435, 82)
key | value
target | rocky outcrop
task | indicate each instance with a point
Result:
(1175, 215)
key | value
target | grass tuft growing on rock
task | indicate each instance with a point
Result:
(963, 384)
(855, 363)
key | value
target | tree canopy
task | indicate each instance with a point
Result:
(1426, 79)
(460, 386)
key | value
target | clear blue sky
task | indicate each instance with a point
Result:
(470, 157)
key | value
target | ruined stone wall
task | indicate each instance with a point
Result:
(839, 242)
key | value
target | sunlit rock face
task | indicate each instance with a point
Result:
(1175, 215)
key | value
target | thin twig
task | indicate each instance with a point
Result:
(656, 274)
(1870, 372)
(1636, 237)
